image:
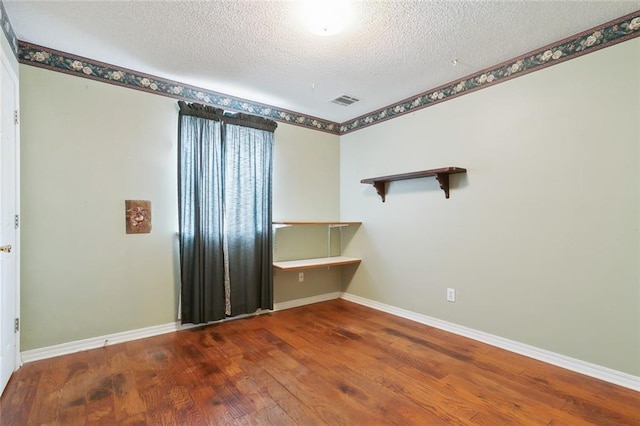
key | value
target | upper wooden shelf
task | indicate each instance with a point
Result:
(318, 223)
(442, 175)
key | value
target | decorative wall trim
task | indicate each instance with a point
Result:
(7, 29)
(605, 35)
(55, 60)
(141, 333)
(608, 34)
(582, 367)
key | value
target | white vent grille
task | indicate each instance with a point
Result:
(345, 100)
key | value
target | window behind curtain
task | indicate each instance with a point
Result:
(224, 179)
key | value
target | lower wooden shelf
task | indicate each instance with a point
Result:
(320, 262)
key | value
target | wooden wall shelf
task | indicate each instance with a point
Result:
(296, 265)
(442, 175)
(318, 262)
(334, 224)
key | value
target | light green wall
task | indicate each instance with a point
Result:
(306, 174)
(87, 147)
(306, 242)
(540, 238)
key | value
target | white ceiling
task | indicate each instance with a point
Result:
(259, 50)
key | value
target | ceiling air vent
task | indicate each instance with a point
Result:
(345, 100)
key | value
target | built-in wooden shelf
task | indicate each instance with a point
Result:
(331, 224)
(442, 175)
(320, 262)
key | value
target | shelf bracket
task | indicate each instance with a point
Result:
(380, 187)
(443, 179)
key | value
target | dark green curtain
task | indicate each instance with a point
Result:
(224, 191)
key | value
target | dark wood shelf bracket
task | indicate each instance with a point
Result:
(441, 174)
(443, 179)
(381, 188)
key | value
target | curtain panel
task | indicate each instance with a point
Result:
(224, 192)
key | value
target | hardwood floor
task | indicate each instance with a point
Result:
(329, 363)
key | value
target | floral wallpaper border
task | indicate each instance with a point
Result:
(68, 63)
(619, 30)
(7, 28)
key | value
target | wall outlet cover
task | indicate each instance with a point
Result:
(451, 294)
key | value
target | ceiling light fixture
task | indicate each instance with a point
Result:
(326, 17)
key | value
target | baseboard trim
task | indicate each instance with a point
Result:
(156, 330)
(593, 370)
(306, 301)
(98, 342)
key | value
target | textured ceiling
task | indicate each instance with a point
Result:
(259, 50)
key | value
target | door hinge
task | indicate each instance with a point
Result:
(15, 117)
(16, 327)
(17, 221)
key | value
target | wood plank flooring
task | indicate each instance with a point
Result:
(330, 363)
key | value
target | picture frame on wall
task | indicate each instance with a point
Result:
(138, 216)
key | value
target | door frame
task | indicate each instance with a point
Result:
(6, 62)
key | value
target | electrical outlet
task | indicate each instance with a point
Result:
(451, 294)
(300, 277)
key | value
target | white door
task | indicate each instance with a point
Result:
(8, 226)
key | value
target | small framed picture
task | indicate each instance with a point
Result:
(138, 216)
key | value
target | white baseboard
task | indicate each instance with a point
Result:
(97, 342)
(306, 301)
(582, 367)
(141, 333)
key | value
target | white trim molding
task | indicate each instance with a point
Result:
(156, 330)
(593, 370)
(306, 301)
(98, 342)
